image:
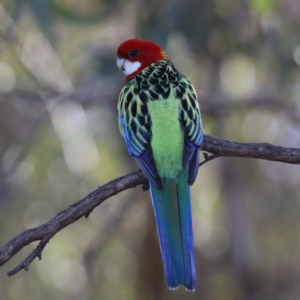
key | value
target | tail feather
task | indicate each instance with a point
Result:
(172, 210)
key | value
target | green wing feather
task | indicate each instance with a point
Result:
(135, 125)
(191, 124)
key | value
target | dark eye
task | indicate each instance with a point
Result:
(133, 53)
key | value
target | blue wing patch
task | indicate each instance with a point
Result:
(142, 152)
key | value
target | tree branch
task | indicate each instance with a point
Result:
(216, 146)
(264, 151)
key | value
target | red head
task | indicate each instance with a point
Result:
(134, 55)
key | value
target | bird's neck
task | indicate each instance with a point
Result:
(144, 66)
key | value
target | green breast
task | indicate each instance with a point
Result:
(167, 137)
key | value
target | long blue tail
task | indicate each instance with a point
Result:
(173, 215)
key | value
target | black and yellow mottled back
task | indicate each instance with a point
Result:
(158, 82)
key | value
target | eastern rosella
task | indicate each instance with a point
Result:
(160, 120)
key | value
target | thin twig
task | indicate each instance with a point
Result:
(37, 252)
(208, 158)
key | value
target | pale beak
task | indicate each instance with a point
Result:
(120, 63)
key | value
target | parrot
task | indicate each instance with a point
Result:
(160, 120)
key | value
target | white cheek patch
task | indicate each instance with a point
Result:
(130, 67)
(120, 62)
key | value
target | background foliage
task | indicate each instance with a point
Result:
(59, 140)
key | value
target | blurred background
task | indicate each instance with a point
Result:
(59, 140)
